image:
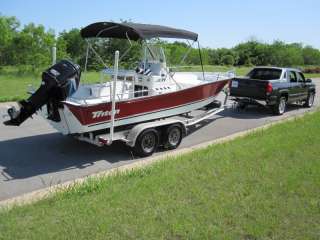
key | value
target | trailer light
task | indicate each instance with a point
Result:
(103, 141)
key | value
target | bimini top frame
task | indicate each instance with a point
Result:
(135, 31)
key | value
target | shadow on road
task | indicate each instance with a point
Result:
(253, 112)
(52, 153)
(202, 124)
(48, 153)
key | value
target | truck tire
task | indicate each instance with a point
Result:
(173, 136)
(280, 107)
(310, 100)
(146, 143)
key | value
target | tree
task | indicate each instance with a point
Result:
(175, 52)
(213, 57)
(74, 44)
(61, 45)
(250, 53)
(227, 60)
(32, 46)
(8, 30)
(311, 56)
(282, 54)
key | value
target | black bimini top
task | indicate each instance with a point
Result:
(134, 31)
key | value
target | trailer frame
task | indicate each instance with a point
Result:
(130, 136)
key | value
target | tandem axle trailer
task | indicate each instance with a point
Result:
(146, 137)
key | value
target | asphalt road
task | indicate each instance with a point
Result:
(34, 155)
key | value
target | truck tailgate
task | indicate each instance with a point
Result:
(244, 87)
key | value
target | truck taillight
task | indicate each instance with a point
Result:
(269, 88)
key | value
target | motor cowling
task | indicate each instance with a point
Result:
(58, 82)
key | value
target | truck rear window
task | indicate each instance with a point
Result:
(265, 74)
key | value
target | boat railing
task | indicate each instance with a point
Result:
(128, 78)
(113, 95)
(125, 77)
(220, 75)
(131, 93)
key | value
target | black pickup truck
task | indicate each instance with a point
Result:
(274, 87)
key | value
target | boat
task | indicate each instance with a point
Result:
(149, 92)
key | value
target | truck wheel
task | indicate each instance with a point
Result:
(280, 107)
(310, 100)
(173, 136)
(146, 143)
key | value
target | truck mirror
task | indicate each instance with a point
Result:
(309, 80)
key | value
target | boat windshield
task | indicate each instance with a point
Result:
(154, 54)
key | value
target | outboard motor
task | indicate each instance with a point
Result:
(58, 82)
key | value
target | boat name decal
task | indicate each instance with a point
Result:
(99, 114)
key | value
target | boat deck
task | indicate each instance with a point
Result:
(92, 94)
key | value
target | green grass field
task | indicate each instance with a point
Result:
(14, 85)
(262, 186)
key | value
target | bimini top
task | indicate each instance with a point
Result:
(134, 31)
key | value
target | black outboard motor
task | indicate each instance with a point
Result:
(58, 82)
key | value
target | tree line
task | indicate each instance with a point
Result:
(29, 47)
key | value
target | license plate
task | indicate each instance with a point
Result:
(234, 84)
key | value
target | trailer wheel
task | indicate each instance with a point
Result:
(147, 142)
(173, 136)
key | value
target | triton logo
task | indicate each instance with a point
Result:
(99, 114)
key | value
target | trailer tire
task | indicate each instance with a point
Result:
(173, 136)
(146, 143)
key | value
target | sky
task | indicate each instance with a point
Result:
(218, 23)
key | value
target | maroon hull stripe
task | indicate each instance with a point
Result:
(147, 104)
(146, 113)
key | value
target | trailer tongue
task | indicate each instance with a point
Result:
(58, 82)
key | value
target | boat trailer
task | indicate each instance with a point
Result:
(145, 137)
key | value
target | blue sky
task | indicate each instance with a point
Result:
(219, 23)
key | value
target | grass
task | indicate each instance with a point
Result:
(262, 186)
(211, 68)
(14, 86)
(240, 71)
